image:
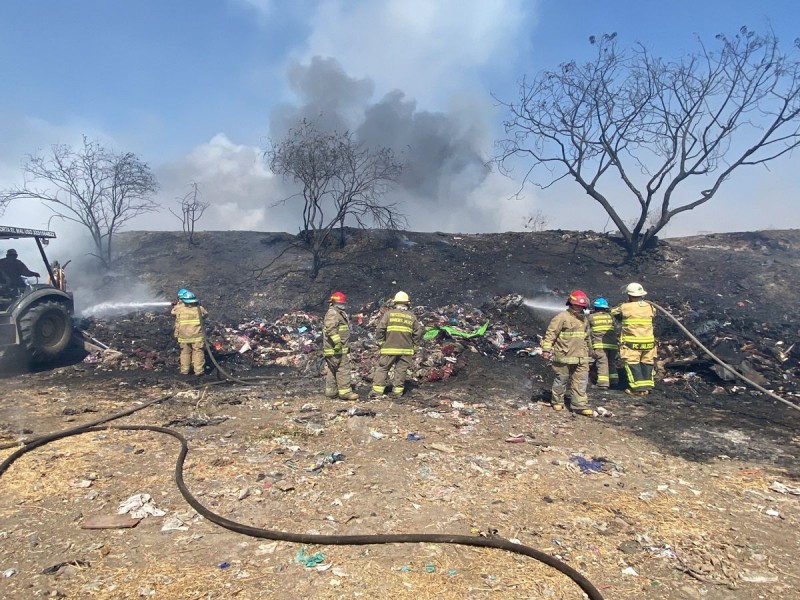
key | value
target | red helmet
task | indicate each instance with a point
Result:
(578, 298)
(338, 298)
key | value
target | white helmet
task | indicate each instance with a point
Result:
(401, 298)
(635, 290)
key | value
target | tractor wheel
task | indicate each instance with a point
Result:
(46, 329)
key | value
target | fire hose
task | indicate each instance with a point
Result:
(299, 538)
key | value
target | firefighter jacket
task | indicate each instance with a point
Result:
(399, 332)
(637, 324)
(188, 327)
(335, 332)
(568, 338)
(604, 334)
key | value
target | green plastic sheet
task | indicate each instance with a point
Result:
(455, 332)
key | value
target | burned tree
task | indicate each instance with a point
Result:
(665, 135)
(191, 210)
(92, 186)
(342, 181)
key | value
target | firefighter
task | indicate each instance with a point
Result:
(637, 342)
(604, 344)
(336, 349)
(398, 334)
(189, 317)
(567, 342)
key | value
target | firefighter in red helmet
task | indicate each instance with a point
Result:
(567, 343)
(336, 349)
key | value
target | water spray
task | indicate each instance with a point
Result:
(107, 309)
(547, 304)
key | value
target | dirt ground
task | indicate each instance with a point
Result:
(696, 495)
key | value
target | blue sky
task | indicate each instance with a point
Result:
(196, 88)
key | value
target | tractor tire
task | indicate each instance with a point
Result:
(46, 330)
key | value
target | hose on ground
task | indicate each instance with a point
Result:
(721, 363)
(304, 538)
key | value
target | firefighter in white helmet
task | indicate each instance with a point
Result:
(637, 342)
(336, 349)
(567, 342)
(398, 334)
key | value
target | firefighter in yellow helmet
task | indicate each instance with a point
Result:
(398, 334)
(637, 342)
(189, 317)
(336, 349)
(567, 343)
(604, 343)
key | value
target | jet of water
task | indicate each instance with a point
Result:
(108, 309)
(548, 304)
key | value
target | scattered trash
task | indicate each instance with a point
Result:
(139, 506)
(781, 488)
(308, 560)
(355, 411)
(377, 435)
(586, 465)
(516, 439)
(430, 568)
(9, 573)
(771, 512)
(603, 412)
(413, 437)
(328, 459)
(224, 565)
(630, 571)
(54, 569)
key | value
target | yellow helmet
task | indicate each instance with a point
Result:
(401, 298)
(635, 290)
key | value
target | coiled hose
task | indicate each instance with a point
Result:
(299, 538)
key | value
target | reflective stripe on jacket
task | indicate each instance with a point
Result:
(604, 335)
(637, 324)
(188, 319)
(567, 337)
(399, 332)
(335, 330)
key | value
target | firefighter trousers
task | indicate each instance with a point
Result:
(605, 361)
(337, 377)
(576, 377)
(638, 367)
(380, 377)
(193, 354)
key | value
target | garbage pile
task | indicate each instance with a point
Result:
(452, 333)
(766, 353)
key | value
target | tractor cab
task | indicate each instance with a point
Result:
(35, 315)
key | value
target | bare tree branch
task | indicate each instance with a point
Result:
(342, 182)
(653, 125)
(91, 186)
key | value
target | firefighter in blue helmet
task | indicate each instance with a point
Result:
(189, 317)
(604, 343)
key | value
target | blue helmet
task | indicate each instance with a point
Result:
(600, 303)
(187, 296)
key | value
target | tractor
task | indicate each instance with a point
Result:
(35, 317)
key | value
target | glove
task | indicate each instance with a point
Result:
(337, 347)
(546, 355)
